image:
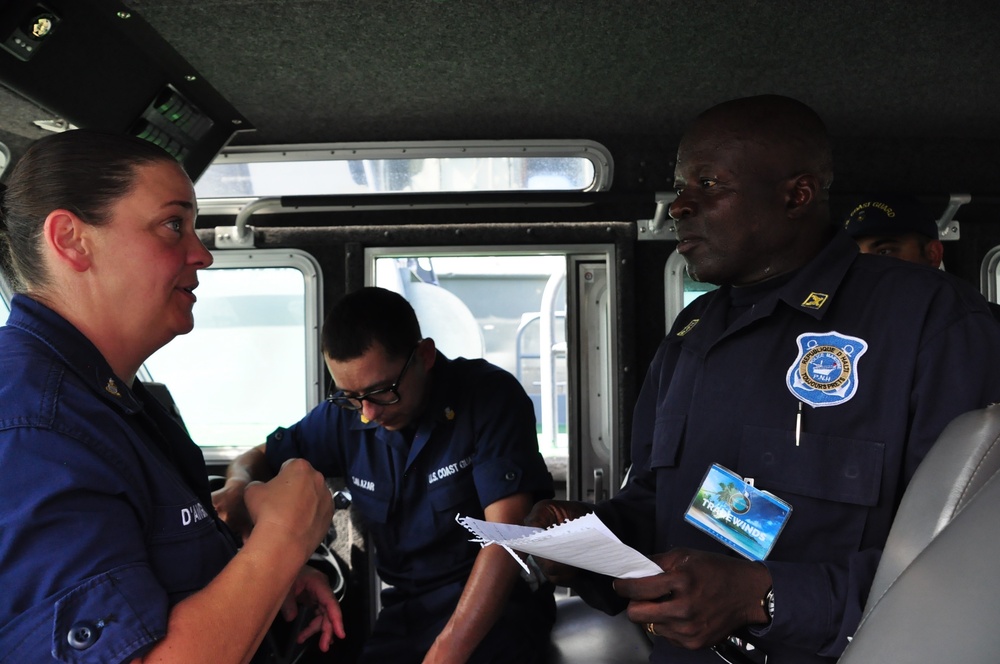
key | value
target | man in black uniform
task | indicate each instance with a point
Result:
(900, 227)
(823, 374)
(897, 226)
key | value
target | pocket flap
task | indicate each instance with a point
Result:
(452, 494)
(845, 470)
(667, 436)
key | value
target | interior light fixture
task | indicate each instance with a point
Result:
(31, 33)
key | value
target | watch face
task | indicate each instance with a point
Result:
(769, 600)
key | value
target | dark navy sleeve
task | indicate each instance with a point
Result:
(631, 511)
(316, 437)
(506, 458)
(76, 572)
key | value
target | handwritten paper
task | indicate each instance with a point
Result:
(585, 543)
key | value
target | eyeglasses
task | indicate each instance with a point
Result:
(383, 396)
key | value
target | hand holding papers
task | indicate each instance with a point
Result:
(585, 543)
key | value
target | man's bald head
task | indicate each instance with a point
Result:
(777, 123)
(752, 203)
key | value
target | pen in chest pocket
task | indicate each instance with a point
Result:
(798, 424)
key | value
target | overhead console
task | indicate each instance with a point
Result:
(97, 64)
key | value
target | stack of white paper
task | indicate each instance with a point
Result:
(585, 543)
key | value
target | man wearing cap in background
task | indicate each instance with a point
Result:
(898, 226)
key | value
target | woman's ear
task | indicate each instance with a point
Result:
(65, 235)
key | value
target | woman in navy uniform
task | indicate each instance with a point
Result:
(110, 549)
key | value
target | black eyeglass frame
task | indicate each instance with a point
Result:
(338, 397)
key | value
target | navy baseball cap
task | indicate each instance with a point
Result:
(889, 214)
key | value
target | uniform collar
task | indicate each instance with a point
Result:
(441, 402)
(814, 286)
(813, 289)
(74, 349)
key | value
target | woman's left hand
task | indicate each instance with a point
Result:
(312, 588)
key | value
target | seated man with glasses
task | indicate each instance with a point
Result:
(420, 439)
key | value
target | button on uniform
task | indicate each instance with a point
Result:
(83, 634)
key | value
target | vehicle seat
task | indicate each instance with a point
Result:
(935, 593)
(585, 635)
(963, 459)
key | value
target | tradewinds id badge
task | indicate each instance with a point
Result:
(825, 373)
(734, 512)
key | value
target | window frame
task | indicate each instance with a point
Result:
(598, 155)
(587, 395)
(989, 274)
(312, 275)
(6, 293)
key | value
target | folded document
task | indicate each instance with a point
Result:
(585, 543)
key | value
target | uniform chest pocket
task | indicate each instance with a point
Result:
(842, 470)
(372, 507)
(667, 436)
(832, 483)
(452, 497)
(186, 548)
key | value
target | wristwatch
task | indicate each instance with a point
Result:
(768, 603)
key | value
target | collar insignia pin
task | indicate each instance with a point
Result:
(815, 300)
(449, 413)
(111, 388)
(689, 327)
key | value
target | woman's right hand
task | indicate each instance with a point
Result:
(296, 505)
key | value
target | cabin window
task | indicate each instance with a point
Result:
(679, 289)
(508, 310)
(511, 308)
(252, 362)
(6, 294)
(413, 168)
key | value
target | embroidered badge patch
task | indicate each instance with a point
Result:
(825, 373)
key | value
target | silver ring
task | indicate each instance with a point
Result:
(651, 628)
